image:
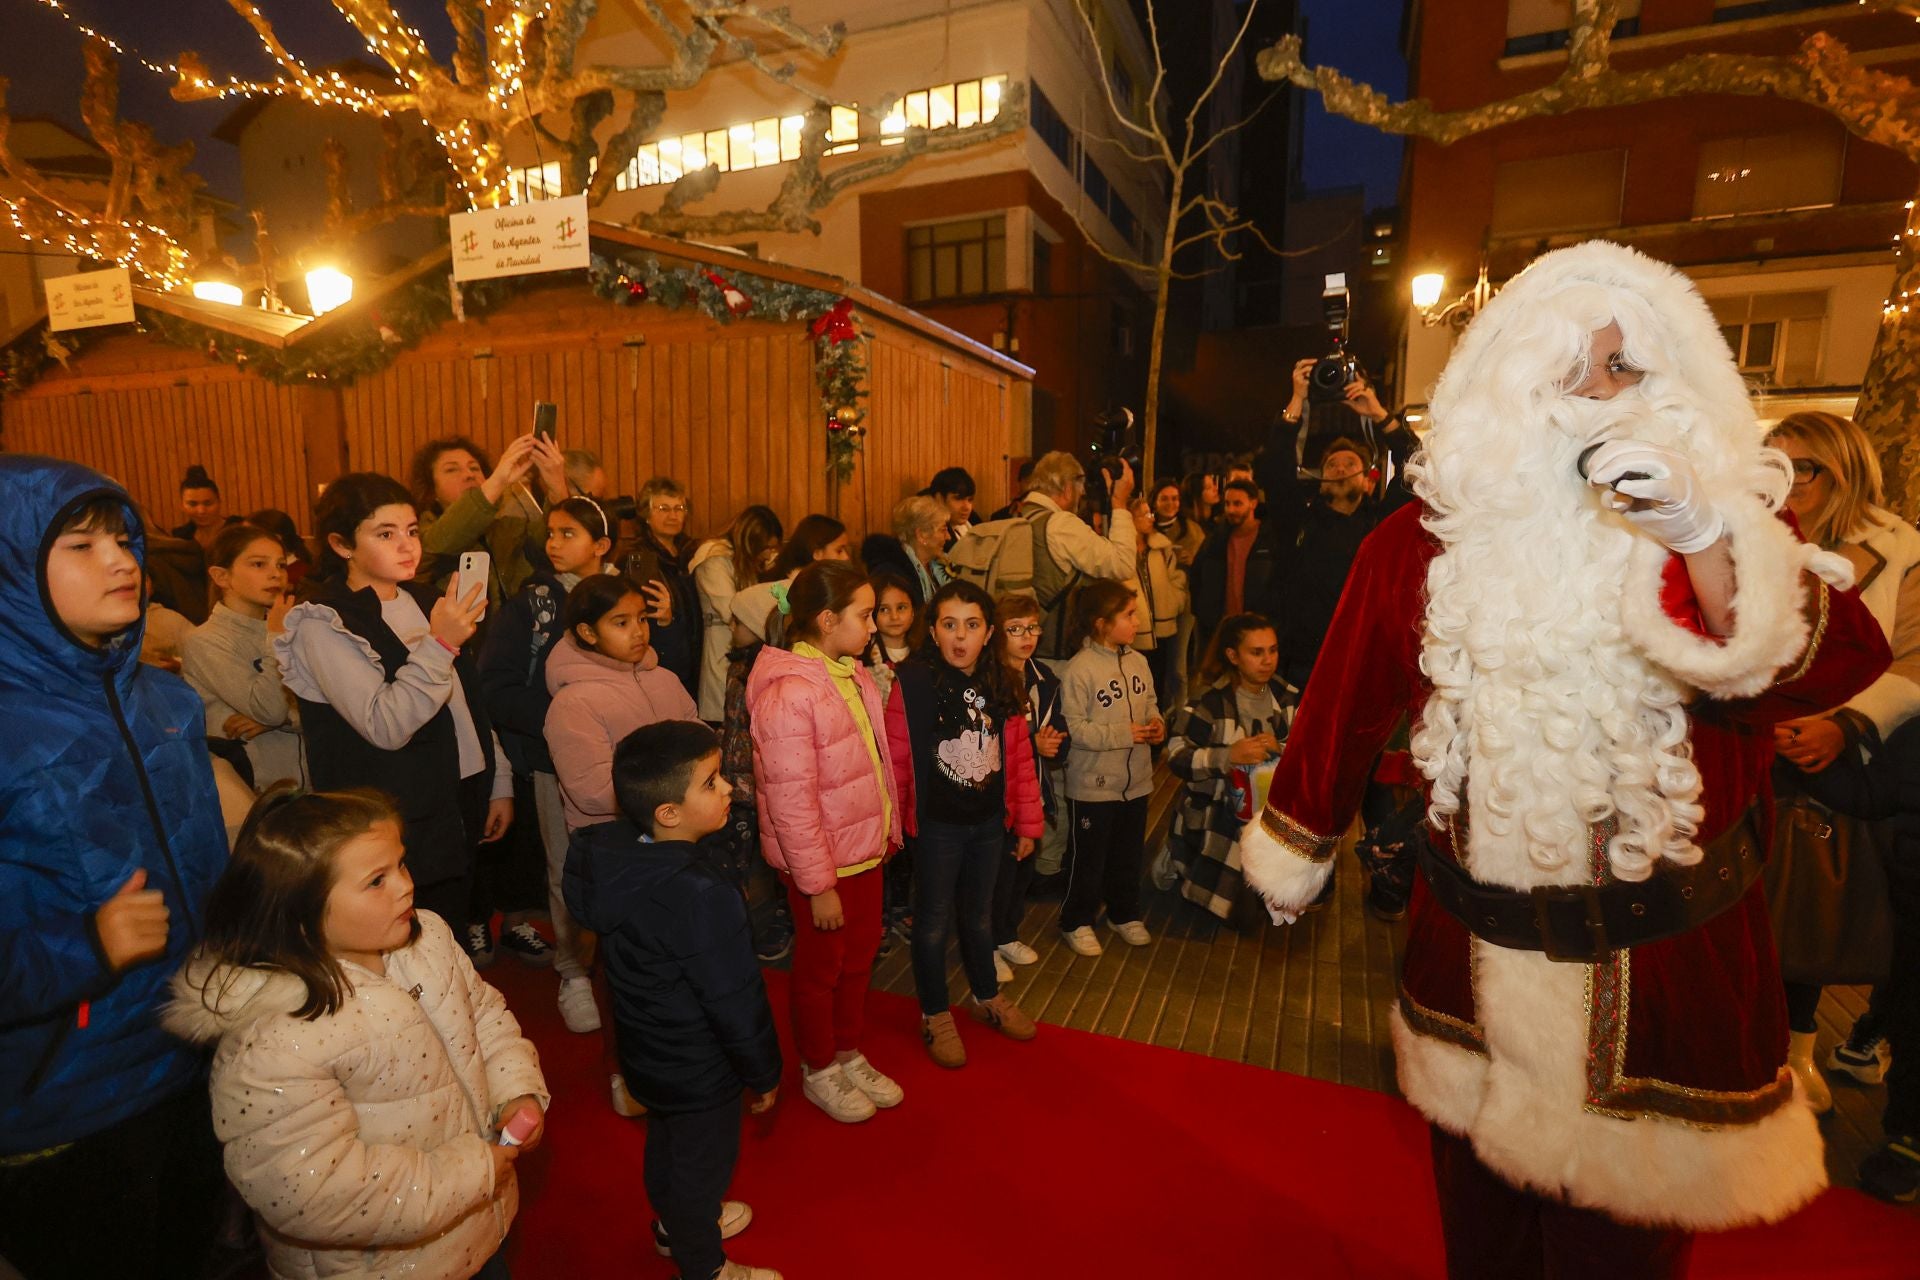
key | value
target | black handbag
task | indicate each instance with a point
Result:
(1826, 890)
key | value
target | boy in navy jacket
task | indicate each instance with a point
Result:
(690, 1011)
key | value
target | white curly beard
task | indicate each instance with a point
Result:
(1542, 709)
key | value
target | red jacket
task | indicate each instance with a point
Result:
(1025, 815)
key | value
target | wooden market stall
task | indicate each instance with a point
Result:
(642, 372)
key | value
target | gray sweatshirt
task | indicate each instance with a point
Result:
(1105, 692)
(229, 661)
(324, 662)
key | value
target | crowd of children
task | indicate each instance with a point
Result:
(328, 965)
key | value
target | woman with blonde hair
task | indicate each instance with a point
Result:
(1837, 496)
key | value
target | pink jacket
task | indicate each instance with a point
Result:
(597, 702)
(1025, 817)
(819, 809)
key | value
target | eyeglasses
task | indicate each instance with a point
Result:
(671, 508)
(1806, 470)
(1021, 630)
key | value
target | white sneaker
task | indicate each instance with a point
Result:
(624, 1103)
(880, 1090)
(1082, 940)
(741, 1271)
(1017, 952)
(1133, 933)
(1002, 971)
(735, 1216)
(834, 1092)
(577, 1008)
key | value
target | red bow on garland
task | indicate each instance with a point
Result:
(736, 301)
(837, 324)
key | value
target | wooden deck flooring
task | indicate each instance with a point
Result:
(1311, 998)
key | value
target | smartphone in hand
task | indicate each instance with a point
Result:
(475, 568)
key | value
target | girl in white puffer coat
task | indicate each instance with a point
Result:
(364, 1074)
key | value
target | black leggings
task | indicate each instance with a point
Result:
(1803, 1001)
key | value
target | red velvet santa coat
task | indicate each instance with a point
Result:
(1651, 1086)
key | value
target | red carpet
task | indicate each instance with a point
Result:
(1072, 1156)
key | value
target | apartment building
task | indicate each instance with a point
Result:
(997, 241)
(1785, 220)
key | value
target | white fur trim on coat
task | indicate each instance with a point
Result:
(1522, 1105)
(1770, 629)
(1289, 878)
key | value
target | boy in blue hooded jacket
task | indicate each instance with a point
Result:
(110, 840)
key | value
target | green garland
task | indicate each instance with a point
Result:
(839, 358)
(371, 341)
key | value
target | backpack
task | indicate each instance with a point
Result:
(1004, 557)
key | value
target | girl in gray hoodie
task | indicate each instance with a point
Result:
(229, 658)
(1112, 721)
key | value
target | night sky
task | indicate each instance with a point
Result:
(1362, 39)
(41, 56)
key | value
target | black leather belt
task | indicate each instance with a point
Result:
(1583, 923)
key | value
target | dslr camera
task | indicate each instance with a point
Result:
(1334, 372)
(1114, 444)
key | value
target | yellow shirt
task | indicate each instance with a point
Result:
(841, 669)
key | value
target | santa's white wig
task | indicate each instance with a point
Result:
(1560, 683)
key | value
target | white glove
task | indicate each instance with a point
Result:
(1678, 514)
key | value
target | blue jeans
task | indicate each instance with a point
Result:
(955, 868)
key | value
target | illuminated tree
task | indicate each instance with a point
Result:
(515, 67)
(142, 219)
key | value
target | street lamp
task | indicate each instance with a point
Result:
(1426, 289)
(327, 288)
(1429, 285)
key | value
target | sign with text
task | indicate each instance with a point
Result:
(94, 298)
(521, 239)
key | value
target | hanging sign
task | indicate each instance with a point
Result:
(521, 239)
(93, 298)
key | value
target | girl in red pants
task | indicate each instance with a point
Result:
(829, 816)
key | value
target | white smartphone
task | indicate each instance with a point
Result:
(475, 567)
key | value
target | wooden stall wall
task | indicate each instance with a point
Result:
(729, 411)
(930, 407)
(142, 414)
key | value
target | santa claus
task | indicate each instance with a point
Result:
(1592, 618)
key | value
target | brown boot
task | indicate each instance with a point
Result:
(1004, 1016)
(943, 1040)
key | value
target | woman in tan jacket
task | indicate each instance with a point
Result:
(362, 1087)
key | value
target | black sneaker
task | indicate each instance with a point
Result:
(1893, 1172)
(527, 945)
(479, 944)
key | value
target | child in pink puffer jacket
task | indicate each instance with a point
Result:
(829, 817)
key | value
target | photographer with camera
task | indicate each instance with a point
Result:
(1360, 482)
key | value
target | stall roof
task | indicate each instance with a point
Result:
(609, 235)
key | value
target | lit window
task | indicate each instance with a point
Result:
(963, 104)
(535, 182)
(844, 130)
(755, 144)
